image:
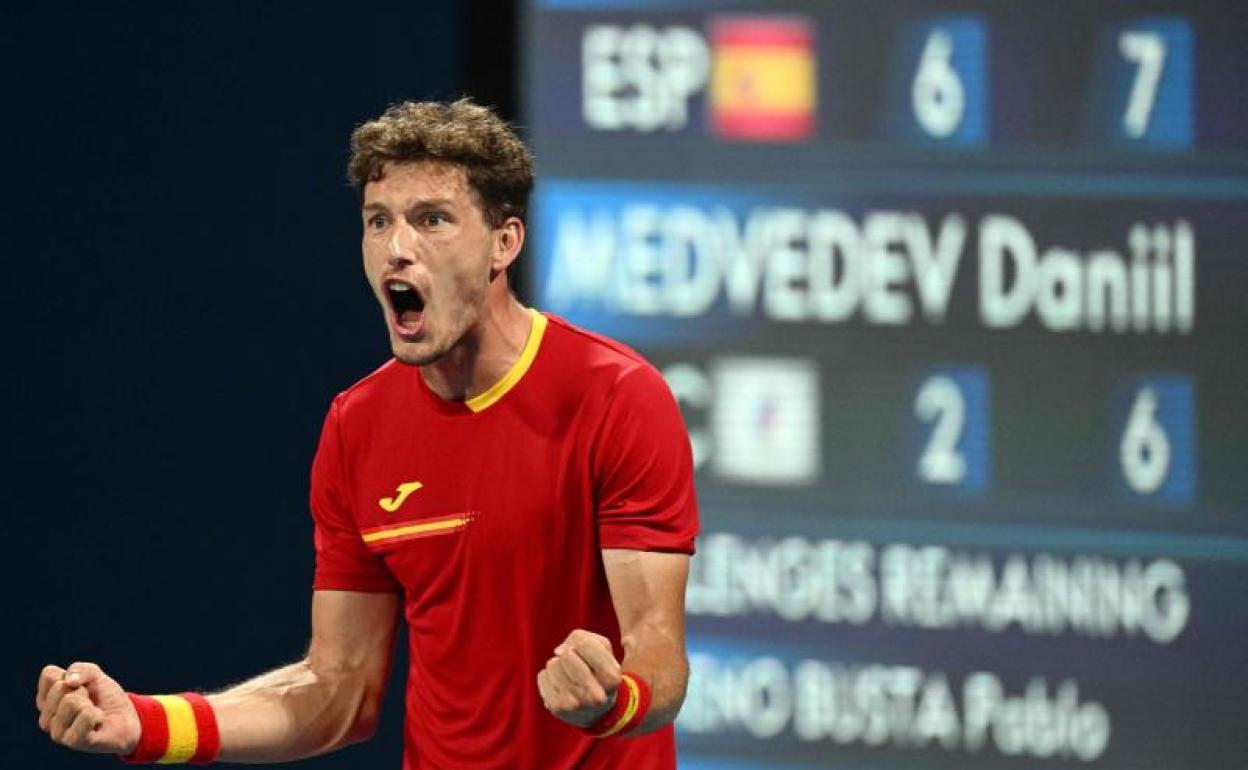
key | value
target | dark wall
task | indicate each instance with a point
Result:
(183, 298)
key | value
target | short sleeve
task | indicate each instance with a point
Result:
(343, 562)
(643, 467)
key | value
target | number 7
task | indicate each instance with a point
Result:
(1148, 51)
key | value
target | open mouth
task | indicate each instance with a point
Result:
(407, 304)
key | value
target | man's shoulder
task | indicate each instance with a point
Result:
(587, 372)
(371, 388)
(580, 352)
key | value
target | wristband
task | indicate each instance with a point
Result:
(175, 729)
(632, 701)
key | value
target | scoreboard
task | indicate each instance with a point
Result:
(954, 300)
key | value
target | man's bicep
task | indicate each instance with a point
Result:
(644, 469)
(353, 630)
(648, 591)
(343, 561)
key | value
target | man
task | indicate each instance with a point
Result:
(520, 489)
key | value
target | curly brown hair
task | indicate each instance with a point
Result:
(498, 166)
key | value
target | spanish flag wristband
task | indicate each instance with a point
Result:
(632, 701)
(175, 729)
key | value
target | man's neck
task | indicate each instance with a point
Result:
(485, 355)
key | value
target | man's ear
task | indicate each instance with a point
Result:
(508, 240)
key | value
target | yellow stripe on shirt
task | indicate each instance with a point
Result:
(415, 529)
(517, 370)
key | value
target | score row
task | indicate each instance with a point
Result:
(759, 78)
(762, 421)
(1153, 417)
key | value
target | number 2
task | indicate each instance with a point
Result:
(940, 401)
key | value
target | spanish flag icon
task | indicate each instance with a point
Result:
(763, 78)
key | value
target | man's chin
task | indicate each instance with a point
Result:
(413, 353)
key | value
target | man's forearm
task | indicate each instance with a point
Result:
(296, 711)
(659, 658)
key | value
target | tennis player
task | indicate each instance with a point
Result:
(519, 490)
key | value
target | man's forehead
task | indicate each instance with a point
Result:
(422, 178)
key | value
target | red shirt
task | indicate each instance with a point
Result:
(489, 515)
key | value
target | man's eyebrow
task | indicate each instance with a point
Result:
(428, 202)
(418, 204)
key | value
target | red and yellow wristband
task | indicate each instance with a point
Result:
(632, 701)
(176, 729)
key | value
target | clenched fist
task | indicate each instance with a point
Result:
(83, 708)
(578, 685)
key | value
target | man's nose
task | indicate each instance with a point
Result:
(402, 245)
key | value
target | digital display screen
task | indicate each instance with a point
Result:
(952, 297)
